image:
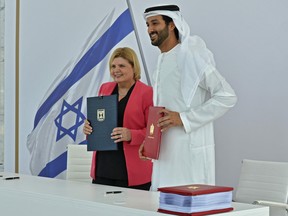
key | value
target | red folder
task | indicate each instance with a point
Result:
(196, 213)
(153, 133)
(195, 189)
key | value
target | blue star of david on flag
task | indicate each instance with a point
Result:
(64, 121)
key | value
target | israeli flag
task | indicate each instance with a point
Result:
(60, 117)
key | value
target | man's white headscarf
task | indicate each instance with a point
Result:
(193, 59)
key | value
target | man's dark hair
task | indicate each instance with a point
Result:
(167, 21)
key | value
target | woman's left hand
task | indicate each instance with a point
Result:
(120, 134)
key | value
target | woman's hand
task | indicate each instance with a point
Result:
(120, 134)
(87, 129)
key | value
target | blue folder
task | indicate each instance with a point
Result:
(102, 114)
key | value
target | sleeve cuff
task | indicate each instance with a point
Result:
(185, 122)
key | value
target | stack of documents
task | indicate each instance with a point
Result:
(195, 199)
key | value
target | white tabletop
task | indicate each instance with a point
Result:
(46, 196)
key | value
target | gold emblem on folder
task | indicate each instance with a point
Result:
(151, 129)
(193, 187)
(100, 114)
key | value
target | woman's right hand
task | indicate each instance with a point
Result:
(87, 129)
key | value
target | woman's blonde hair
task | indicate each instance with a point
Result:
(130, 55)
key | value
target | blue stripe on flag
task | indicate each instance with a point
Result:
(119, 30)
(53, 168)
(57, 166)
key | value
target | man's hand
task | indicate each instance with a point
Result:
(170, 119)
(140, 152)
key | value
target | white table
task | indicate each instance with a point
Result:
(31, 195)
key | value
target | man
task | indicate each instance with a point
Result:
(193, 93)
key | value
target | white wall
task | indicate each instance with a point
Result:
(248, 39)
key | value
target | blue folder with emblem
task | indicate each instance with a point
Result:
(102, 114)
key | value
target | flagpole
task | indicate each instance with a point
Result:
(139, 44)
(17, 87)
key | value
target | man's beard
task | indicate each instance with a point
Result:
(162, 36)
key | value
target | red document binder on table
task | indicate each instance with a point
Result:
(195, 199)
(102, 112)
(153, 133)
(196, 213)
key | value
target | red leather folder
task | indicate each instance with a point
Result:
(210, 212)
(195, 189)
(153, 133)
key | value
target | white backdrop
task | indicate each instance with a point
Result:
(248, 39)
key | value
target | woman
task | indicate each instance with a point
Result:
(123, 167)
